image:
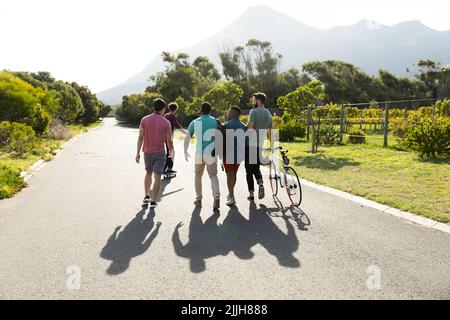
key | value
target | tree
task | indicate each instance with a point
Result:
(183, 79)
(21, 102)
(90, 103)
(304, 96)
(435, 78)
(343, 81)
(136, 106)
(223, 96)
(70, 104)
(254, 67)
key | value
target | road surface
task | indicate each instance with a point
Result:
(78, 231)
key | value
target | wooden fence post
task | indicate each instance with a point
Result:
(308, 122)
(386, 124)
(342, 125)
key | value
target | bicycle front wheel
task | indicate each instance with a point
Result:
(293, 187)
(273, 179)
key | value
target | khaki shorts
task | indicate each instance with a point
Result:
(155, 162)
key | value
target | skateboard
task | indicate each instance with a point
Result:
(169, 175)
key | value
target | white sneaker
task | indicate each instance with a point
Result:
(231, 201)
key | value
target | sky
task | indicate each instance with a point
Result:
(101, 43)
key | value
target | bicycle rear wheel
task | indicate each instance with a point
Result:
(293, 187)
(273, 179)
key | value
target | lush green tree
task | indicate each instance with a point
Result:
(254, 67)
(435, 78)
(223, 96)
(343, 81)
(90, 103)
(70, 104)
(21, 102)
(136, 106)
(183, 79)
(308, 95)
(105, 110)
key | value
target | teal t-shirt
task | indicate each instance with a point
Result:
(263, 121)
(199, 127)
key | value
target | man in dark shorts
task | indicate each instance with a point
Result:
(234, 149)
(258, 127)
(154, 132)
(171, 116)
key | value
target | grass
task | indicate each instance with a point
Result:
(391, 176)
(10, 182)
(12, 165)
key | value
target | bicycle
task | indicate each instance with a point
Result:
(286, 178)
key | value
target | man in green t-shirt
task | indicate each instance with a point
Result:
(258, 127)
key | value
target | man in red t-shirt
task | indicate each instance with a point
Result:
(171, 116)
(154, 132)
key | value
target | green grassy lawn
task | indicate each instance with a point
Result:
(44, 149)
(391, 176)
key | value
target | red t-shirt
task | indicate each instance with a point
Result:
(174, 124)
(156, 129)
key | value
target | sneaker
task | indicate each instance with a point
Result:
(198, 203)
(170, 171)
(146, 201)
(261, 192)
(231, 201)
(216, 204)
(153, 204)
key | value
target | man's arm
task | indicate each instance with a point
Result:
(139, 143)
(187, 141)
(169, 142)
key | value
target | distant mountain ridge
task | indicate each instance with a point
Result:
(366, 44)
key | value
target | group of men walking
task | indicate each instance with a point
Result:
(233, 142)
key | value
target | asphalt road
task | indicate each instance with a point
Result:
(78, 231)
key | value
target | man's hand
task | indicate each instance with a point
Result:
(187, 156)
(138, 157)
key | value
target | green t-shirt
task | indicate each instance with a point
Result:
(263, 121)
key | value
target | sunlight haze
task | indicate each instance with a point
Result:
(102, 43)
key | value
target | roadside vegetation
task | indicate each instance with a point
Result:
(37, 115)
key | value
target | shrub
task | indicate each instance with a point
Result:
(16, 137)
(357, 136)
(40, 120)
(10, 182)
(57, 130)
(430, 138)
(399, 128)
(328, 135)
(289, 130)
(443, 108)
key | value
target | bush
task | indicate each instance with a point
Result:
(357, 136)
(16, 137)
(399, 128)
(10, 182)
(40, 120)
(328, 135)
(430, 138)
(57, 130)
(289, 130)
(443, 108)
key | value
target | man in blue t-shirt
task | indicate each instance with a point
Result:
(204, 129)
(233, 154)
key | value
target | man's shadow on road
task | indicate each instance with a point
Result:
(130, 242)
(238, 235)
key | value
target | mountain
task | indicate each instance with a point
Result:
(366, 44)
